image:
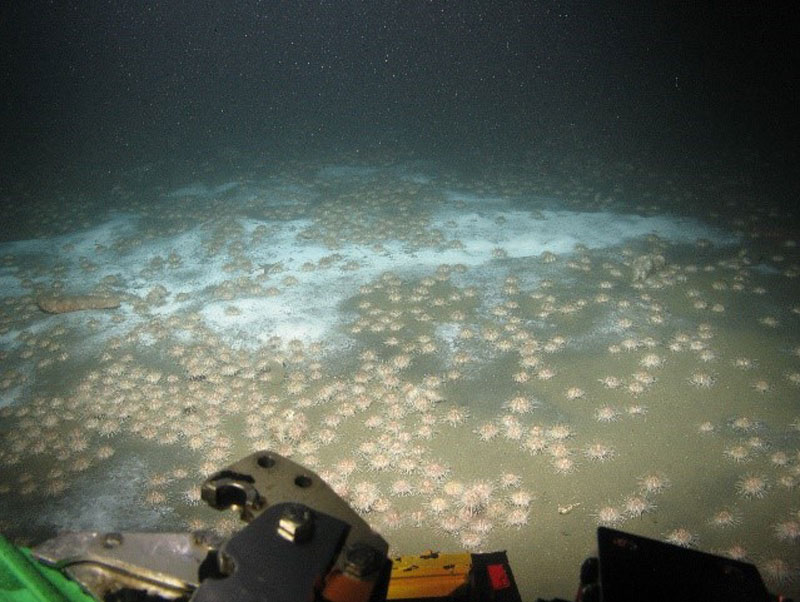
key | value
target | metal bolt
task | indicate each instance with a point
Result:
(206, 539)
(296, 523)
(112, 540)
(361, 560)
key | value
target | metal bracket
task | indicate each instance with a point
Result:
(160, 564)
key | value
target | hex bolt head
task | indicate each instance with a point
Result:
(361, 560)
(112, 540)
(296, 523)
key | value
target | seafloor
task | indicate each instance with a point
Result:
(493, 360)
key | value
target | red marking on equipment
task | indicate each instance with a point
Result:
(498, 576)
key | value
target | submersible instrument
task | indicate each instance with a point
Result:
(301, 542)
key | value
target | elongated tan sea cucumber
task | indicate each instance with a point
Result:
(61, 305)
